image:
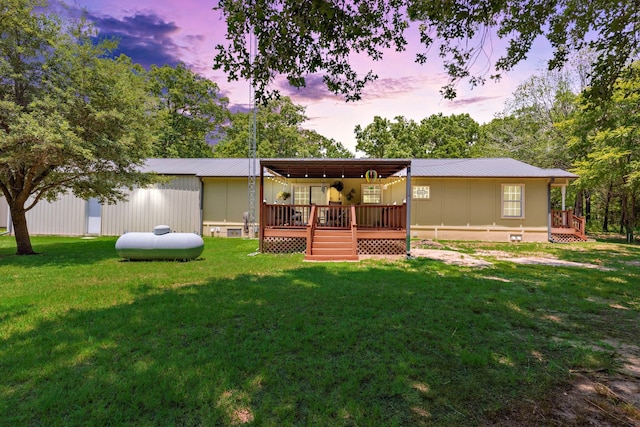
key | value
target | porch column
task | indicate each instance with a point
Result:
(563, 190)
(408, 208)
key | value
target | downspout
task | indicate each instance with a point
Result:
(551, 181)
(408, 208)
(201, 206)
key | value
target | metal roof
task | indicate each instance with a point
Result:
(355, 168)
(199, 167)
(482, 168)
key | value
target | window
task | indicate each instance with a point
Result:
(309, 194)
(512, 200)
(421, 192)
(371, 194)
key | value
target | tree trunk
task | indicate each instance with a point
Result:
(587, 206)
(23, 241)
(605, 220)
(577, 207)
(629, 219)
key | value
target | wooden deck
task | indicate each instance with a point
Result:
(567, 227)
(333, 232)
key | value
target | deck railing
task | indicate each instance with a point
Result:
(385, 217)
(335, 216)
(566, 219)
(286, 216)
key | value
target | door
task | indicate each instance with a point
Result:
(94, 210)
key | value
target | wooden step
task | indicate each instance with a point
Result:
(331, 258)
(332, 245)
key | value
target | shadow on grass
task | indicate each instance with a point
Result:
(58, 251)
(406, 344)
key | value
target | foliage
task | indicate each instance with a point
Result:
(296, 38)
(279, 134)
(86, 339)
(436, 136)
(191, 112)
(608, 135)
(529, 127)
(70, 119)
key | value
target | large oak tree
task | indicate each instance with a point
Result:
(71, 118)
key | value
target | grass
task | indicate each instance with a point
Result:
(237, 337)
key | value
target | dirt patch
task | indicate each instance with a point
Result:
(451, 257)
(538, 260)
(589, 399)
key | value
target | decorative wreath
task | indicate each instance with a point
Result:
(371, 175)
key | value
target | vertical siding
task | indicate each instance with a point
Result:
(227, 199)
(65, 216)
(482, 206)
(175, 203)
(4, 212)
(477, 202)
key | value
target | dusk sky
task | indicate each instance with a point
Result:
(171, 31)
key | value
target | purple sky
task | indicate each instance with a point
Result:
(169, 31)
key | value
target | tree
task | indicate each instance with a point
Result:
(295, 38)
(279, 134)
(529, 128)
(447, 136)
(436, 136)
(386, 139)
(191, 112)
(609, 135)
(70, 119)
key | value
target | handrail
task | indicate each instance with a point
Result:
(567, 219)
(579, 225)
(311, 228)
(354, 232)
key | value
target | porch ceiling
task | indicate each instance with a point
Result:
(333, 168)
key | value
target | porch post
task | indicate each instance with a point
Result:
(261, 208)
(408, 209)
(563, 190)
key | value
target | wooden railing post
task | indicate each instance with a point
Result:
(311, 227)
(354, 232)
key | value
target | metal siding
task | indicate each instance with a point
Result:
(65, 216)
(4, 212)
(176, 204)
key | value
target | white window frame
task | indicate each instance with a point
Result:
(508, 204)
(366, 188)
(421, 188)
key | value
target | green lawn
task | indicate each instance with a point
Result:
(234, 337)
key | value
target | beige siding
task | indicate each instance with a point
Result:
(225, 200)
(176, 204)
(66, 216)
(472, 209)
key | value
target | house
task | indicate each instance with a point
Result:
(334, 207)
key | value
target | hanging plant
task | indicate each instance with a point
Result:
(283, 195)
(338, 185)
(350, 194)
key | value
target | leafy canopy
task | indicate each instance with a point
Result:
(295, 38)
(191, 112)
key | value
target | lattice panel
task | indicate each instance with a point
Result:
(565, 238)
(284, 245)
(381, 247)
